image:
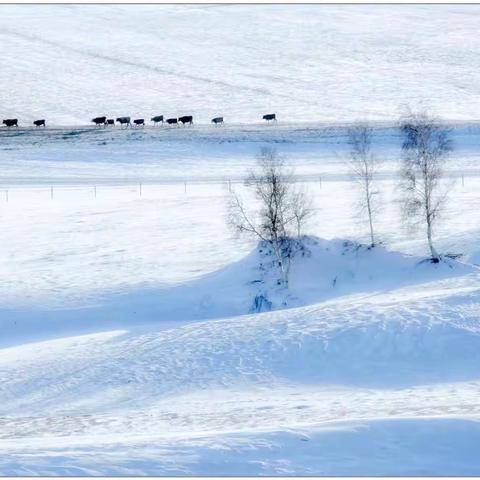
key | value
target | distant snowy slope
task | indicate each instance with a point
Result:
(68, 63)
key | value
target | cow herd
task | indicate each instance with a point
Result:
(137, 122)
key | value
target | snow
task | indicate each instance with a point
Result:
(373, 370)
(453, 451)
(70, 63)
(129, 344)
(163, 371)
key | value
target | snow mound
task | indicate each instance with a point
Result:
(322, 270)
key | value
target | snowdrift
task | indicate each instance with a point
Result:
(325, 270)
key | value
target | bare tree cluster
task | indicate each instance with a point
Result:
(426, 145)
(281, 209)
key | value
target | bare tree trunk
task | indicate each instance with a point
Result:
(433, 252)
(370, 213)
(280, 262)
(428, 219)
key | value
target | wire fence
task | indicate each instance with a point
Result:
(141, 188)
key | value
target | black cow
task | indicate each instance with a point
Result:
(139, 121)
(111, 121)
(172, 121)
(99, 120)
(217, 120)
(39, 123)
(270, 116)
(186, 119)
(11, 122)
(124, 121)
(157, 119)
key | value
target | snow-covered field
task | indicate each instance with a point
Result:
(70, 63)
(128, 342)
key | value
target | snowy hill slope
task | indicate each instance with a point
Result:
(404, 337)
(325, 270)
(256, 384)
(68, 63)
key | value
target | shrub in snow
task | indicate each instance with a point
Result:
(261, 304)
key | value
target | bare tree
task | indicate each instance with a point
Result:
(426, 146)
(364, 167)
(280, 212)
(301, 208)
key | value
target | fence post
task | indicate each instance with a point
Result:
(95, 191)
(6, 195)
(463, 180)
(140, 189)
(185, 186)
(51, 193)
(320, 182)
